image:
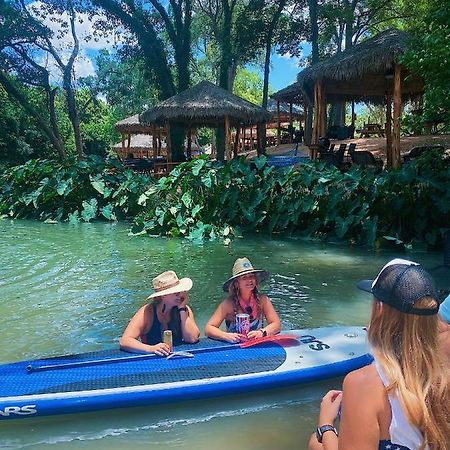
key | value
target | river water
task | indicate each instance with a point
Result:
(73, 288)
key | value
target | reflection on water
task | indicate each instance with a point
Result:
(68, 289)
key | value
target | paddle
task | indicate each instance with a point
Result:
(95, 362)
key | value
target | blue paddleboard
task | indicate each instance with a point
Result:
(116, 379)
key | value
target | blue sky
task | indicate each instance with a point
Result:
(284, 69)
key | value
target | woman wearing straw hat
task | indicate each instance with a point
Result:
(402, 400)
(168, 311)
(244, 298)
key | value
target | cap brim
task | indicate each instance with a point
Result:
(365, 285)
(184, 285)
(262, 275)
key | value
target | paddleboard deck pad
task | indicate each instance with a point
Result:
(113, 379)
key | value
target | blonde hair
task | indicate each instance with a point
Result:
(234, 297)
(407, 348)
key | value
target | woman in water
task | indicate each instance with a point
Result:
(244, 298)
(402, 400)
(167, 311)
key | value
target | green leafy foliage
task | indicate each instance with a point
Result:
(428, 56)
(201, 199)
(88, 190)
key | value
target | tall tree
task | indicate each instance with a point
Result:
(21, 37)
(163, 32)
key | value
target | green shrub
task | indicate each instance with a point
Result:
(201, 199)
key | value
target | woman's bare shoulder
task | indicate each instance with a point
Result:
(365, 378)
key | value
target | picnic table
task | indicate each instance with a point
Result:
(371, 129)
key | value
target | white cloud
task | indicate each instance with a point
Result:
(63, 42)
(85, 29)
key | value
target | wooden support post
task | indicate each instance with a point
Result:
(154, 143)
(291, 124)
(323, 111)
(278, 123)
(353, 119)
(123, 142)
(227, 138)
(236, 142)
(396, 118)
(189, 144)
(251, 137)
(389, 128)
(168, 143)
(129, 142)
(320, 112)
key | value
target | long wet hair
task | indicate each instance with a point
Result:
(407, 348)
(234, 295)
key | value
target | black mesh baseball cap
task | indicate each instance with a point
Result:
(401, 284)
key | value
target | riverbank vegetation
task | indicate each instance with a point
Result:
(201, 199)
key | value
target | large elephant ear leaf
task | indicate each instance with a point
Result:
(260, 162)
(89, 210)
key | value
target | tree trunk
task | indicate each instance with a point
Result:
(312, 6)
(226, 57)
(397, 114)
(269, 37)
(17, 96)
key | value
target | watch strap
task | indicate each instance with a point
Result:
(323, 429)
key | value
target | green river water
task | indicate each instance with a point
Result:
(70, 289)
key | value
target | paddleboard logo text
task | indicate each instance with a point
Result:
(19, 410)
(314, 343)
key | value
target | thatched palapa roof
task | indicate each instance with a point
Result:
(205, 104)
(290, 94)
(131, 125)
(297, 112)
(375, 55)
(361, 73)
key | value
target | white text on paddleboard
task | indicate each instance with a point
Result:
(19, 410)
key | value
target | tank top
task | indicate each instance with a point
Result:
(154, 335)
(401, 432)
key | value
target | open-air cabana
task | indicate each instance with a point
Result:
(284, 114)
(140, 146)
(138, 139)
(368, 72)
(206, 104)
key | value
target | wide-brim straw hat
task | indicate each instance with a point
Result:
(168, 283)
(243, 266)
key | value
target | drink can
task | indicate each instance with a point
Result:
(243, 324)
(167, 338)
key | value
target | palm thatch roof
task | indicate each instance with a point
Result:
(297, 112)
(289, 94)
(375, 55)
(361, 73)
(205, 104)
(131, 125)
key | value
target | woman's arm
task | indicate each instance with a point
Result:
(189, 329)
(363, 403)
(359, 427)
(212, 327)
(273, 321)
(139, 325)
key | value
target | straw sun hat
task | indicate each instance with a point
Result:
(243, 266)
(168, 283)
